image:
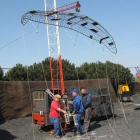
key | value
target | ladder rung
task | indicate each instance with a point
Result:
(55, 69)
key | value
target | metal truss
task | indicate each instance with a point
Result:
(74, 21)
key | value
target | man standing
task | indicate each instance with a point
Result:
(54, 115)
(78, 109)
(86, 99)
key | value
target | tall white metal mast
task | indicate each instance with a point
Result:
(52, 31)
(54, 44)
(54, 50)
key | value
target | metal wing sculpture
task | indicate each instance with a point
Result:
(74, 21)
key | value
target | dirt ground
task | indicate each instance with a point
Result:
(117, 128)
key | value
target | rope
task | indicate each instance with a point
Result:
(100, 90)
(40, 56)
(51, 99)
(44, 72)
(28, 77)
(109, 90)
(119, 97)
(74, 41)
(97, 75)
(115, 77)
(123, 52)
(116, 87)
(46, 81)
(19, 38)
(101, 94)
(98, 83)
(75, 56)
(121, 104)
(76, 61)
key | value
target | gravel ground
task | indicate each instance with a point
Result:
(111, 129)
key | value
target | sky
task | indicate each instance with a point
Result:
(119, 17)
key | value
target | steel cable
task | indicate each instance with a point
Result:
(98, 83)
(20, 37)
(25, 54)
(121, 104)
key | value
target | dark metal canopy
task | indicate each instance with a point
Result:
(74, 21)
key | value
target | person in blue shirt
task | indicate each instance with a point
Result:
(78, 109)
(86, 99)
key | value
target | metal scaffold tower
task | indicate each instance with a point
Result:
(54, 50)
(54, 44)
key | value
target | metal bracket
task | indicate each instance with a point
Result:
(67, 116)
(50, 93)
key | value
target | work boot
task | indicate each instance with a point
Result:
(84, 131)
(51, 132)
(57, 136)
(78, 133)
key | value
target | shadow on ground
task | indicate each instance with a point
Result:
(5, 135)
(72, 129)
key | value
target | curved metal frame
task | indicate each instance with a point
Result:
(74, 21)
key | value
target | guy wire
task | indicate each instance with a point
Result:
(98, 83)
(101, 91)
(25, 54)
(121, 104)
(38, 45)
(109, 88)
(19, 38)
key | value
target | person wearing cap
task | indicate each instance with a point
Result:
(86, 99)
(55, 114)
(78, 109)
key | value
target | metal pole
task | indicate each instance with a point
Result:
(54, 49)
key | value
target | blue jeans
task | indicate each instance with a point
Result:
(56, 123)
(79, 127)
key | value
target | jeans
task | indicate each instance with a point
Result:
(56, 122)
(79, 127)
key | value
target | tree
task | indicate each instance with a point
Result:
(40, 71)
(69, 71)
(1, 74)
(117, 73)
(17, 73)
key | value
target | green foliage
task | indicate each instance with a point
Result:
(69, 72)
(41, 72)
(17, 73)
(1, 74)
(137, 80)
(115, 72)
(119, 75)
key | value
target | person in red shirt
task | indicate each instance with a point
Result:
(55, 114)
